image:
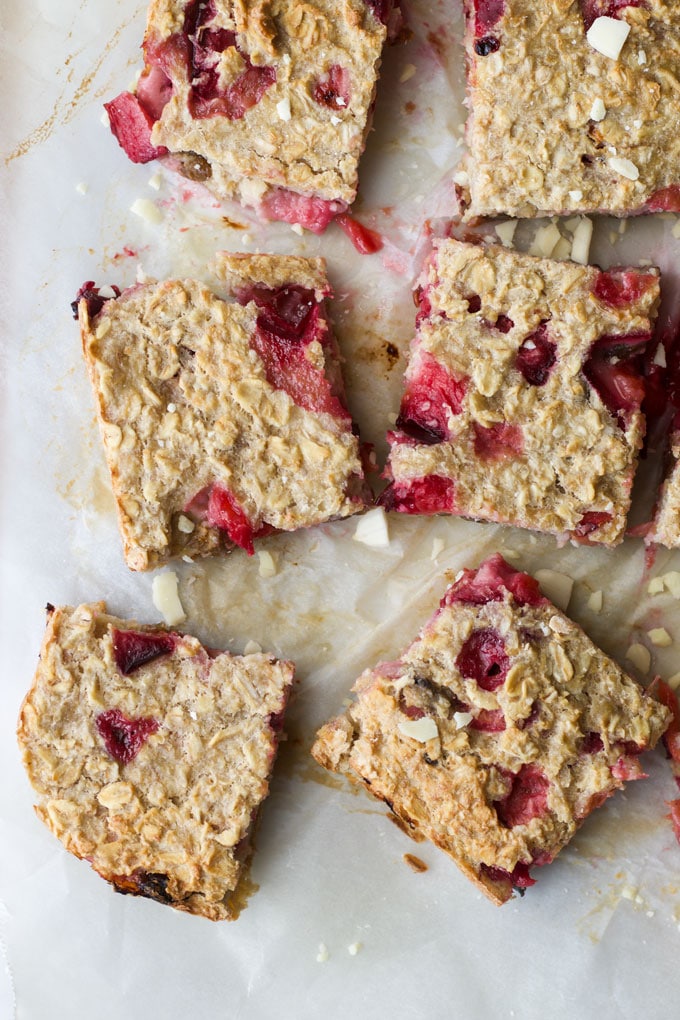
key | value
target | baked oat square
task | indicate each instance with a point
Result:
(665, 527)
(267, 102)
(497, 731)
(522, 400)
(573, 107)
(222, 421)
(150, 755)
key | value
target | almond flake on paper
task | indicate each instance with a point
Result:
(639, 656)
(165, 595)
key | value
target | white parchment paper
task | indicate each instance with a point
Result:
(599, 935)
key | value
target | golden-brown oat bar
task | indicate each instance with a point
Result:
(222, 421)
(523, 394)
(557, 126)
(150, 755)
(497, 731)
(666, 525)
(265, 102)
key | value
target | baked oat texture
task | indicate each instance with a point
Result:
(523, 392)
(222, 420)
(317, 63)
(169, 813)
(497, 731)
(666, 525)
(535, 139)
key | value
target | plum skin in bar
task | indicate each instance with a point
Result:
(497, 731)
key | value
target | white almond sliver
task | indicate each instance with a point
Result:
(624, 167)
(461, 719)
(544, 241)
(660, 356)
(146, 210)
(165, 595)
(555, 586)
(580, 246)
(185, 524)
(660, 637)
(506, 232)
(655, 586)
(267, 566)
(598, 110)
(640, 657)
(372, 529)
(672, 582)
(283, 109)
(421, 730)
(607, 36)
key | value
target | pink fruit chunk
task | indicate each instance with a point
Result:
(665, 200)
(482, 658)
(123, 737)
(366, 241)
(154, 90)
(498, 442)
(503, 324)
(430, 495)
(591, 521)
(592, 744)
(412, 711)
(90, 293)
(593, 9)
(225, 513)
(289, 319)
(431, 397)
(132, 648)
(614, 370)
(527, 799)
(131, 124)
(487, 13)
(518, 878)
(309, 212)
(488, 720)
(215, 505)
(287, 312)
(627, 768)
(333, 90)
(490, 582)
(620, 287)
(381, 9)
(204, 43)
(536, 356)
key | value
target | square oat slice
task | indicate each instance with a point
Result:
(268, 102)
(497, 731)
(523, 394)
(665, 528)
(151, 756)
(222, 421)
(573, 107)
